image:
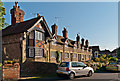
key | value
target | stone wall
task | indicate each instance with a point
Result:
(11, 71)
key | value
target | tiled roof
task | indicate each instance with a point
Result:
(19, 27)
(62, 40)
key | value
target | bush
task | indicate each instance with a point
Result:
(102, 59)
(58, 56)
(97, 59)
(100, 65)
(113, 59)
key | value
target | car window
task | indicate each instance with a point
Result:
(78, 64)
(64, 64)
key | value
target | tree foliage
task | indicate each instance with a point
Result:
(118, 52)
(2, 13)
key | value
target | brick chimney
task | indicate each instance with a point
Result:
(86, 43)
(17, 14)
(54, 29)
(78, 40)
(82, 40)
(64, 33)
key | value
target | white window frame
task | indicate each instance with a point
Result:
(83, 57)
(67, 56)
(54, 42)
(31, 55)
(39, 55)
(53, 56)
(74, 55)
(39, 35)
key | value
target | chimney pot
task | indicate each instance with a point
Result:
(38, 15)
(82, 40)
(78, 40)
(19, 7)
(64, 33)
(16, 4)
(86, 43)
(54, 29)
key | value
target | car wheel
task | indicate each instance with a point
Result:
(89, 73)
(71, 76)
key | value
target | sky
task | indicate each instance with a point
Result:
(95, 21)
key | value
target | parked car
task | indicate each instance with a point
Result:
(113, 66)
(72, 69)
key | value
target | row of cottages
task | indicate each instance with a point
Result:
(32, 40)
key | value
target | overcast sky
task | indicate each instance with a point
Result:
(95, 21)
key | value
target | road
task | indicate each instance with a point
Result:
(95, 77)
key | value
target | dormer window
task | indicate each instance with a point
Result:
(82, 48)
(66, 43)
(75, 46)
(54, 42)
(87, 49)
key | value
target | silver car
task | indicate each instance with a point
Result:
(72, 69)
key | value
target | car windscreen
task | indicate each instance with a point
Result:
(64, 64)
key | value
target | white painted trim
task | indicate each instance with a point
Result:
(30, 29)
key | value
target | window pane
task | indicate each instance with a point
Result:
(74, 64)
(66, 55)
(36, 35)
(39, 52)
(31, 35)
(75, 56)
(31, 52)
(79, 64)
(40, 36)
(64, 64)
(53, 54)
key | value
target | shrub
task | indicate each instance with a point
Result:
(58, 56)
(113, 59)
(100, 65)
(97, 59)
(102, 59)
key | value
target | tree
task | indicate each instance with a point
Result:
(118, 52)
(2, 13)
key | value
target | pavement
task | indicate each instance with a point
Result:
(95, 77)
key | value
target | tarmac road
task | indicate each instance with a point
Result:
(95, 77)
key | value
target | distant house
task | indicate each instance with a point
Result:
(95, 51)
(114, 52)
(32, 40)
(107, 52)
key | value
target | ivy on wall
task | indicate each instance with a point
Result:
(58, 56)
